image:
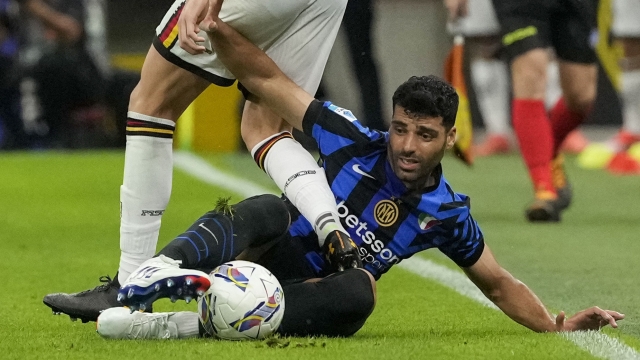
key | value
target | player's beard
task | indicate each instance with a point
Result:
(413, 169)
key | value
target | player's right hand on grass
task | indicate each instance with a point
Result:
(341, 252)
(196, 15)
(590, 319)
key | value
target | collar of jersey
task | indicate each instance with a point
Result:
(398, 187)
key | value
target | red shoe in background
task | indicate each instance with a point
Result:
(623, 140)
(493, 145)
(574, 143)
(623, 164)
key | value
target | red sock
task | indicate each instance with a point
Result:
(563, 121)
(533, 130)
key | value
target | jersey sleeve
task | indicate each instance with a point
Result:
(465, 241)
(334, 127)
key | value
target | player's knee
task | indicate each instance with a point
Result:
(529, 72)
(135, 97)
(267, 214)
(259, 123)
(143, 102)
(360, 300)
(365, 292)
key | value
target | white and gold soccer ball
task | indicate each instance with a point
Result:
(245, 301)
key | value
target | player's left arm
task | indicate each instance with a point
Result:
(258, 73)
(516, 300)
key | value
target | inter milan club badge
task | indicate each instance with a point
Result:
(426, 221)
(386, 213)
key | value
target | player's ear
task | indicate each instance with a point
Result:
(451, 137)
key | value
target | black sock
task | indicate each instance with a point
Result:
(217, 237)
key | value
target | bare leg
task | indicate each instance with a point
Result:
(165, 90)
(529, 74)
(530, 121)
(578, 82)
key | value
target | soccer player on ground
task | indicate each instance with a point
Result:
(528, 28)
(393, 199)
(298, 35)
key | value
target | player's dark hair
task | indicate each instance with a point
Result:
(428, 96)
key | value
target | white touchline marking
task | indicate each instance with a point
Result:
(596, 343)
(204, 171)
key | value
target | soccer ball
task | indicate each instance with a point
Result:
(245, 301)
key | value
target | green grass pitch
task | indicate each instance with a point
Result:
(59, 224)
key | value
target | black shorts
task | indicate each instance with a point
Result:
(566, 25)
(286, 259)
(336, 305)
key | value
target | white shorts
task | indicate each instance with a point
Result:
(481, 21)
(626, 18)
(297, 34)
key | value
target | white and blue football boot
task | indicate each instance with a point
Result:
(161, 277)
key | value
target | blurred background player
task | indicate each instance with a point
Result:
(491, 80)
(63, 78)
(626, 28)
(529, 28)
(489, 76)
(63, 74)
(613, 153)
(11, 134)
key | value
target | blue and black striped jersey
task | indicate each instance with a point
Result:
(387, 222)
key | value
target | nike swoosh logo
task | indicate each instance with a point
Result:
(357, 169)
(209, 231)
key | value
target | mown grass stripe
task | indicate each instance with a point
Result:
(204, 171)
